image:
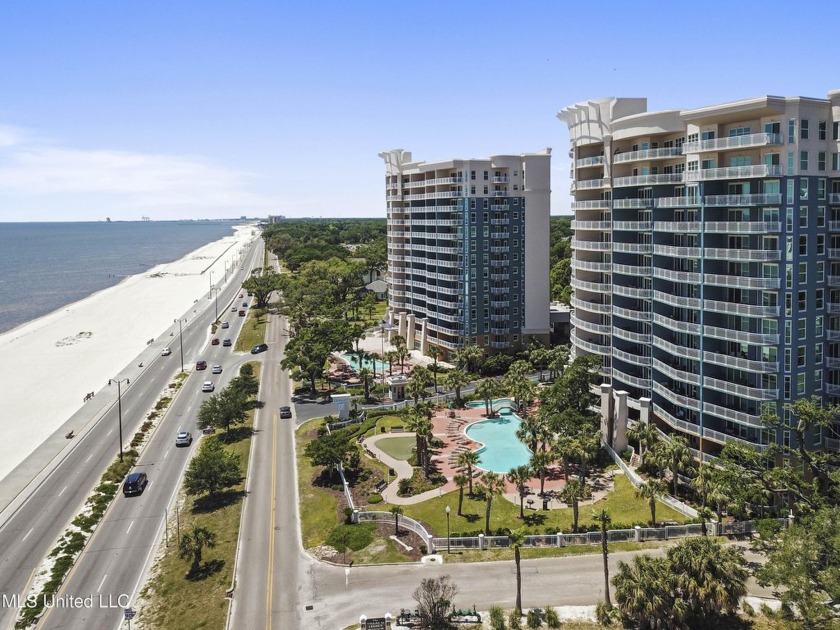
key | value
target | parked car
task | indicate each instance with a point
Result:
(233, 308)
(201, 365)
(208, 386)
(227, 342)
(215, 341)
(217, 369)
(135, 483)
(244, 304)
(240, 295)
(241, 313)
(260, 347)
(183, 438)
(285, 412)
(166, 352)
(225, 325)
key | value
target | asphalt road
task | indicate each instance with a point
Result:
(117, 554)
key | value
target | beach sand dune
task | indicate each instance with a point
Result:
(49, 365)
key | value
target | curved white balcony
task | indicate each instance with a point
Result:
(589, 346)
(588, 265)
(677, 226)
(594, 204)
(633, 248)
(723, 438)
(732, 414)
(743, 227)
(740, 201)
(634, 292)
(631, 270)
(629, 357)
(677, 252)
(680, 375)
(674, 422)
(740, 363)
(679, 351)
(590, 184)
(676, 300)
(592, 307)
(672, 324)
(634, 226)
(628, 313)
(597, 287)
(591, 225)
(736, 335)
(632, 203)
(591, 246)
(677, 202)
(748, 310)
(648, 154)
(745, 391)
(629, 335)
(733, 142)
(588, 162)
(677, 399)
(630, 379)
(601, 329)
(676, 276)
(733, 172)
(717, 253)
(647, 180)
(741, 282)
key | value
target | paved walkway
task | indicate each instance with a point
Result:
(452, 432)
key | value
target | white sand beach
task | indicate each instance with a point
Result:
(48, 365)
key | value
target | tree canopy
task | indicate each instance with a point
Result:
(212, 469)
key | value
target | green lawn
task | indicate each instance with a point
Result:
(318, 508)
(624, 507)
(397, 447)
(253, 331)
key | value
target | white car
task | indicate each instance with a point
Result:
(217, 369)
(208, 386)
(184, 438)
(166, 352)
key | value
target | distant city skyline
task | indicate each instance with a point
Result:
(211, 110)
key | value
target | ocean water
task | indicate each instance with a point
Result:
(44, 266)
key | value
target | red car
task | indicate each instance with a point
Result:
(240, 295)
(215, 341)
(201, 365)
(241, 313)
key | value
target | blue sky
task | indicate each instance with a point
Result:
(217, 109)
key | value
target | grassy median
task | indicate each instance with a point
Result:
(171, 601)
(318, 507)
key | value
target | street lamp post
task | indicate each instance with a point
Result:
(217, 289)
(181, 340)
(211, 280)
(447, 529)
(119, 382)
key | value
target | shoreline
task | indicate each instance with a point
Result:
(49, 364)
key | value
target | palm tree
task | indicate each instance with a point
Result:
(416, 389)
(519, 476)
(455, 380)
(364, 374)
(493, 484)
(468, 459)
(396, 510)
(435, 353)
(562, 450)
(539, 463)
(558, 359)
(572, 494)
(517, 539)
(529, 432)
(468, 357)
(390, 357)
(415, 421)
(651, 491)
(192, 545)
(461, 481)
(642, 591)
(604, 520)
(705, 514)
(646, 435)
(679, 458)
(488, 389)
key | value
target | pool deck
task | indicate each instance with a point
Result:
(452, 432)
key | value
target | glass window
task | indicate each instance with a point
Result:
(820, 271)
(787, 389)
(788, 304)
(835, 131)
(788, 332)
(821, 161)
(818, 383)
(800, 383)
(790, 163)
(803, 217)
(791, 131)
(821, 188)
(822, 129)
(818, 325)
(818, 353)
(803, 245)
(801, 301)
(803, 272)
(803, 188)
(820, 244)
(801, 329)
(821, 215)
(787, 359)
(789, 276)
(803, 160)
(819, 300)
(791, 187)
(800, 356)
(835, 161)
(803, 129)
(789, 219)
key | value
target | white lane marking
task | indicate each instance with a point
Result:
(62, 491)
(27, 534)
(88, 458)
(129, 527)
(102, 583)
(110, 432)
(165, 454)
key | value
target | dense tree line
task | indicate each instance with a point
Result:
(560, 255)
(298, 241)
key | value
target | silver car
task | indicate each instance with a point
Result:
(184, 438)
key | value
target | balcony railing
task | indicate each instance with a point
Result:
(733, 414)
(741, 282)
(741, 363)
(733, 142)
(742, 254)
(629, 335)
(733, 172)
(766, 199)
(647, 154)
(591, 225)
(628, 313)
(633, 248)
(672, 324)
(502, 221)
(677, 202)
(743, 227)
(672, 348)
(677, 226)
(597, 204)
(597, 287)
(680, 375)
(601, 329)
(730, 334)
(748, 310)
(630, 379)
(632, 203)
(589, 346)
(592, 307)
(647, 180)
(588, 265)
(632, 270)
(745, 391)
(634, 226)
(589, 184)
(633, 292)
(677, 276)
(593, 246)
(678, 252)
(629, 357)
(587, 162)
(677, 399)
(834, 198)
(500, 179)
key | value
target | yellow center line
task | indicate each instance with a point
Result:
(271, 530)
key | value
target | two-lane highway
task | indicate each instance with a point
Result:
(29, 534)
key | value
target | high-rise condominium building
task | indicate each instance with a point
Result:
(706, 267)
(468, 250)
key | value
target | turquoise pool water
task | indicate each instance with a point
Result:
(496, 402)
(502, 450)
(353, 360)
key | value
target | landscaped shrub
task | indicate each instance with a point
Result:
(552, 619)
(605, 613)
(375, 498)
(354, 537)
(514, 619)
(534, 619)
(749, 611)
(497, 618)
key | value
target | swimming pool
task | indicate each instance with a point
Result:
(502, 450)
(353, 360)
